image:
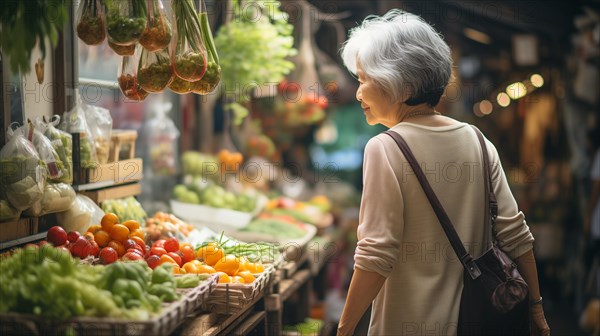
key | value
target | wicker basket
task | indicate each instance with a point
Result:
(169, 319)
(231, 298)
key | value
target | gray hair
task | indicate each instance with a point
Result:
(402, 54)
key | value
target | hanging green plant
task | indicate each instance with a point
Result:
(27, 22)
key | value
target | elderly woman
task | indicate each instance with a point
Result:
(404, 265)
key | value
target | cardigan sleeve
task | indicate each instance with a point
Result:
(381, 213)
(510, 228)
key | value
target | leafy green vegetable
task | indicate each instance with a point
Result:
(24, 23)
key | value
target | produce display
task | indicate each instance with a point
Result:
(276, 226)
(47, 281)
(126, 20)
(199, 164)
(307, 212)
(164, 226)
(126, 209)
(215, 196)
(157, 34)
(91, 26)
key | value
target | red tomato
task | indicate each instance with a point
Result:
(129, 243)
(188, 253)
(159, 243)
(153, 261)
(80, 248)
(176, 257)
(94, 249)
(140, 242)
(108, 255)
(172, 245)
(132, 256)
(56, 236)
(158, 251)
(73, 235)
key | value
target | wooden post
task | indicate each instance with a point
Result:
(4, 100)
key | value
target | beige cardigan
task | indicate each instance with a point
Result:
(400, 237)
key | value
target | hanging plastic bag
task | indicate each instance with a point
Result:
(125, 20)
(75, 122)
(212, 76)
(127, 77)
(56, 198)
(121, 50)
(81, 215)
(180, 86)
(157, 34)
(63, 145)
(100, 123)
(91, 27)
(154, 70)
(189, 52)
(22, 173)
(161, 137)
(44, 148)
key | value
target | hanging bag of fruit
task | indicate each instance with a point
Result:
(154, 70)
(91, 27)
(127, 77)
(189, 53)
(157, 34)
(126, 20)
(212, 76)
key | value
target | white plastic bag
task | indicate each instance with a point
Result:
(161, 141)
(22, 175)
(44, 148)
(63, 145)
(7, 212)
(56, 198)
(100, 124)
(81, 215)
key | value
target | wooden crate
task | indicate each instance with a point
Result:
(124, 171)
(122, 145)
(19, 228)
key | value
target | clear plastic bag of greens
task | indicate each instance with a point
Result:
(100, 123)
(189, 52)
(91, 24)
(63, 145)
(127, 77)
(44, 148)
(154, 70)
(22, 173)
(161, 138)
(212, 76)
(180, 86)
(120, 50)
(75, 122)
(57, 197)
(158, 33)
(125, 20)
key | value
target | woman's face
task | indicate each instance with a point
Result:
(376, 105)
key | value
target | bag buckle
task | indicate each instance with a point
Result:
(471, 267)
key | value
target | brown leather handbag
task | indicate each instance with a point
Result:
(494, 298)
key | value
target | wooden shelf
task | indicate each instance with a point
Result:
(119, 191)
(289, 286)
(18, 229)
(22, 241)
(125, 171)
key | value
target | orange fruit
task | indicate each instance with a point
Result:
(237, 279)
(205, 269)
(94, 228)
(138, 241)
(119, 232)
(224, 278)
(132, 225)
(165, 258)
(89, 236)
(255, 267)
(190, 267)
(211, 254)
(178, 270)
(230, 264)
(118, 246)
(247, 276)
(102, 238)
(108, 220)
(137, 233)
(243, 262)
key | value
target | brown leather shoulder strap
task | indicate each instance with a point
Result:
(465, 258)
(489, 187)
